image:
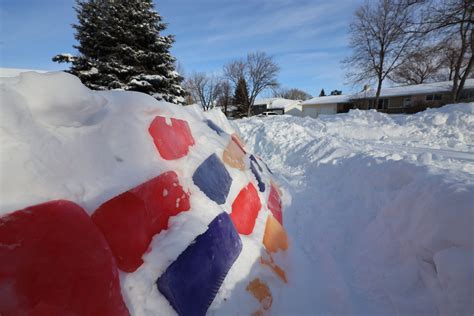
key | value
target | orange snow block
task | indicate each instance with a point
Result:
(274, 204)
(234, 156)
(239, 142)
(267, 260)
(275, 237)
(172, 137)
(261, 292)
(245, 209)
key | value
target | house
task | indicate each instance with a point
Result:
(401, 99)
(277, 105)
(331, 104)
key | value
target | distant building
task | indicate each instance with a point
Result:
(402, 99)
(277, 105)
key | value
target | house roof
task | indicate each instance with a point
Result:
(425, 88)
(277, 103)
(343, 98)
(444, 86)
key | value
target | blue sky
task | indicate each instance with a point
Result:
(307, 38)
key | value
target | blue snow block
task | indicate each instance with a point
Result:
(261, 184)
(214, 127)
(213, 179)
(253, 159)
(191, 282)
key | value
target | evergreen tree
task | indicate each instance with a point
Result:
(336, 92)
(322, 93)
(120, 47)
(241, 97)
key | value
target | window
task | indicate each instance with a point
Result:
(407, 102)
(467, 94)
(433, 97)
(383, 103)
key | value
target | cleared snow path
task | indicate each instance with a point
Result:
(380, 210)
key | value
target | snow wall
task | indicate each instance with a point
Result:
(113, 203)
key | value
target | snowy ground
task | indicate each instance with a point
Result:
(381, 213)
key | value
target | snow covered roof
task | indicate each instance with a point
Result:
(329, 99)
(444, 86)
(425, 88)
(277, 103)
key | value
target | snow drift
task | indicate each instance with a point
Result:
(382, 206)
(167, 194)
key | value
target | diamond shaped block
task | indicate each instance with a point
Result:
(253, 167)
(213, 179)
(172, 137)
(215, 127)
(274, 237)
(54, 261)
(191, 282)
(130, 220)
(274, 204)
(245, 209)
(233, 156)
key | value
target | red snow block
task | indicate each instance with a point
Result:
(172, 137)
(130, 220)
(54, 261)
(274, 204)
(239, 142)
(164, 197)
(245, 209)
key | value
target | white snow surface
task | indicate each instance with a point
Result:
(382, 212)
(379, 208)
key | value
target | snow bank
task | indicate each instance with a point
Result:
(382, 207)
(60, 140)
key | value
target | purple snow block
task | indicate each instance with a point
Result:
(253, 159)
(213, 179)
(261, 184)
(191, 282)
(214, 127)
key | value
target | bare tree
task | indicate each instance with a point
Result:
(454, 20)
(380, 38)
(224, 100)
(421, 66)
(291, 94)
(204, 89)
(259, 71)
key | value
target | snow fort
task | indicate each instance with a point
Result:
(113, 203)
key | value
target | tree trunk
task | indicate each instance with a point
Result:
(377, 94)
(467, 71)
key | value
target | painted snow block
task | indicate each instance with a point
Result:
(245, 209)
(239, 142)
(274, 204)
(213, 179)
(215, 127)
(172, 137)
(54, 261)
(130, 220)
(274, 237)
(254, 160)
(253, 167)
(267, 260)
(190, 283)
(261, 292)
(234, 156)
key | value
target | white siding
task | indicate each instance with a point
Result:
(315, 110)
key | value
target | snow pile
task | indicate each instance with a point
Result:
(60, 140)
(382, 207)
